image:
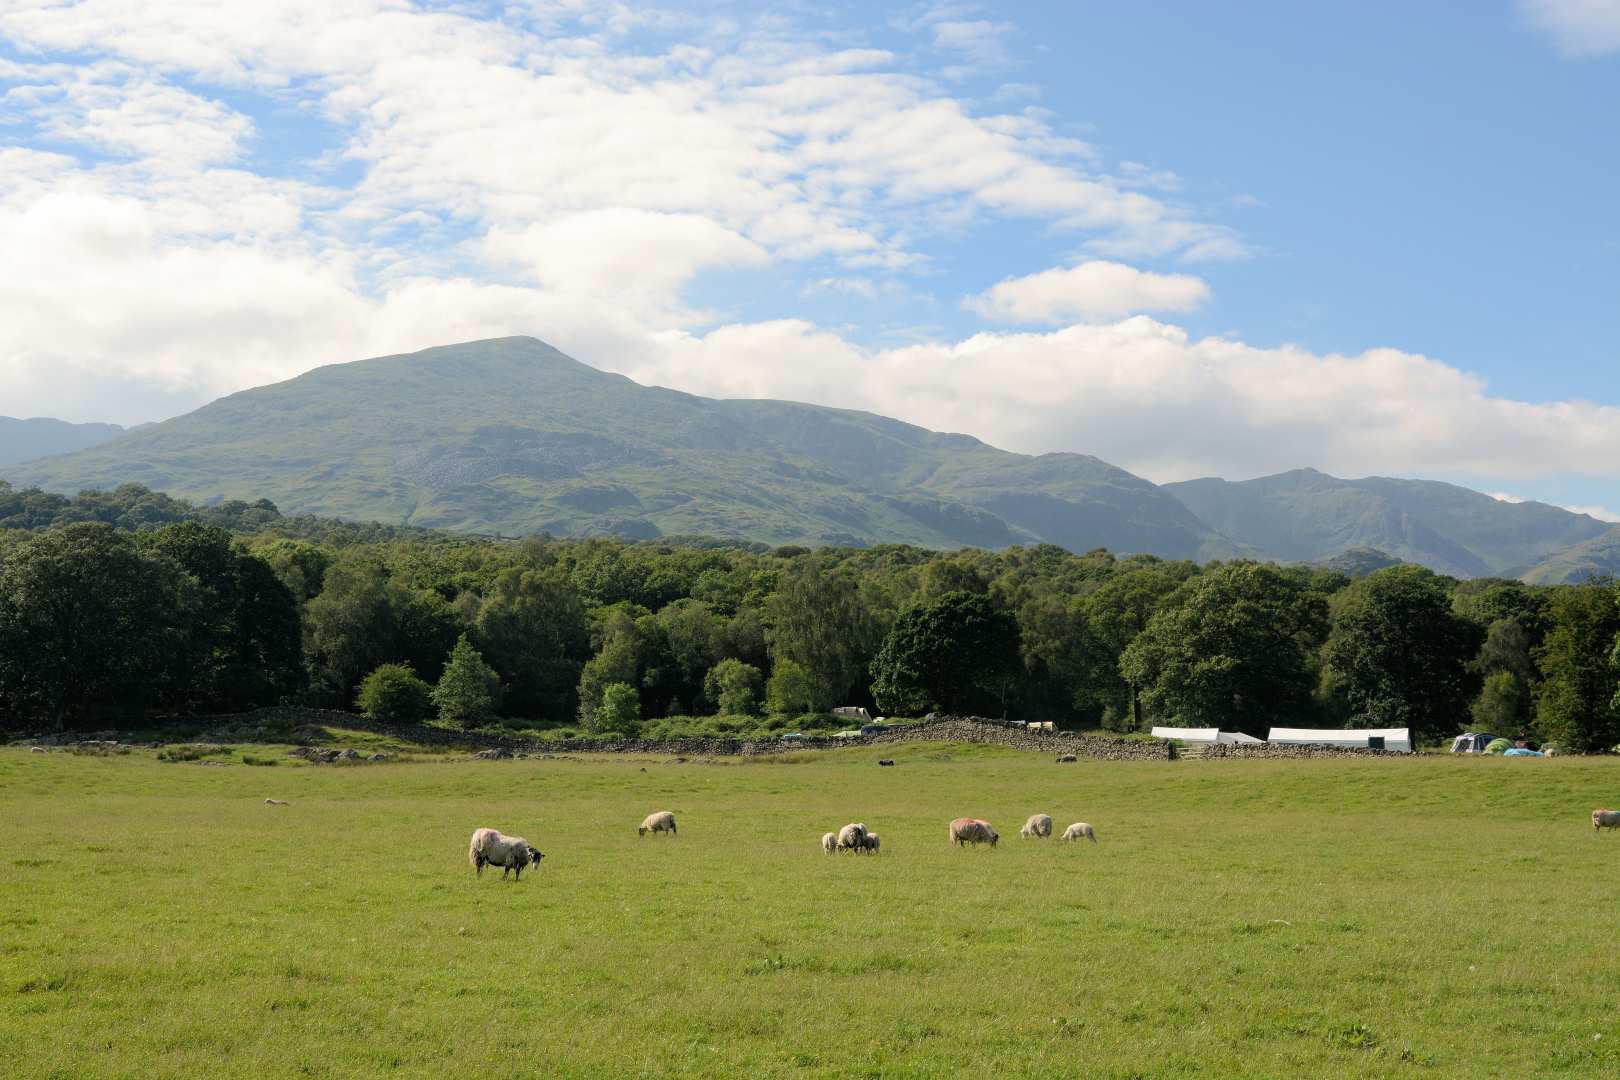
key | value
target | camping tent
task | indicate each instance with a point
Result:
(1386, 738)
(1203, 735)
(1471, 742)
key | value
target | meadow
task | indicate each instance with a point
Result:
(1347, 917)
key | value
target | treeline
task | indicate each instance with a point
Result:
(107, 616)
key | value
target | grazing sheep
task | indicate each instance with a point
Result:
(276, 802)
(871, 843)
(661, 821)
(1066, 759)
(972, 831)
(829, 842)
(1606, 819)
(1080, 830)
(852, 837)
(510, 853)
(885, 761)
(1039, 826)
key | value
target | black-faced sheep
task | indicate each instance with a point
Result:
(661, 821)
(511, 853)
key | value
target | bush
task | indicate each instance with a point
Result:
(393, 694)
(466, 691)
(248, 759)
(192, 753)
(620, 711)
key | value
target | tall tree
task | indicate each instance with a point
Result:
(1575, 703)
(1115, 614)
(1232, 650)
(89, 625)
(957, 653)
(1401, 655)
(817, 620)
(244, 641)
(531, 629)
(468, 688)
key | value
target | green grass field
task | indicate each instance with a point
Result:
(1431, 917)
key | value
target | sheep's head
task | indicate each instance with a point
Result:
(535, 855)
(641, 830)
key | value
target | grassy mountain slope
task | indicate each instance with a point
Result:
(1309, 516)
(25, 440)
(1597, 557)
(511, 436)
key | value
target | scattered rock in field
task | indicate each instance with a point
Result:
(37, 750)
(277, 802)
(494, 754)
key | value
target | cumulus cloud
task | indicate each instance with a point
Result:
(1579, 28)
(1092, 290)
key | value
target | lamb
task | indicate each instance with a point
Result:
(852, 837)
(829, 843)
(1080, 830)
(1605, 819)
(511, 853)
(871, 843)
(1038, 826)
(973, 831)
(659, 821)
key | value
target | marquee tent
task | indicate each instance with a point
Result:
(1386, 738)
(1203, 735)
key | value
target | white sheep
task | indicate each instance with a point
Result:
(511, 853)
(972, 831)
(829, 842)
(1606, 819)
(871, 842)
(852, 837)
(1038, 826)
(1080, 831)
(659, 821)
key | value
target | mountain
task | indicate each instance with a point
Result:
(25, 440)
(1308, 516)
(1597, 557)
(511, 436)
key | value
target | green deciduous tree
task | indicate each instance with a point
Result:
(394, 695)
(364, 617)
(957, 653)
(818, 621)
(788, 693)
(1503, 704)
(620, 711)
(734, 687)
(466, 692)
(1575, 702)
(1401, 654)
(1231, 650)
(90, 625)
(531, 629)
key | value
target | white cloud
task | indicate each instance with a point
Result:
(1579, 28)
(1091, 290)
(1148, 397)
(1503, 496)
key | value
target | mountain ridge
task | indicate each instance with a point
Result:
(511, 436)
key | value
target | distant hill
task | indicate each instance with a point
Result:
(1308, 516)
(1597, 557)
(511, 436)
(25, 440)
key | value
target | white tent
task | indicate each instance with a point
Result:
(1203, 735)
(1392, 738)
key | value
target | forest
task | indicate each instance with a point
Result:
(118, 608)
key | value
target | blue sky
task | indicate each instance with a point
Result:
(1190, 239)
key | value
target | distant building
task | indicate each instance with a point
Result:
(1199, 735)
(1397, 739)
